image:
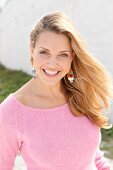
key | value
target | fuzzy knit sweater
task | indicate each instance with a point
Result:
(48, 139)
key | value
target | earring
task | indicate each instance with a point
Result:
(70, 76)
(34, 72)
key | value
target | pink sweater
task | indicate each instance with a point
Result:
(48, 139)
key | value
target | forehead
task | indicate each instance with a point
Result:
(54, 40)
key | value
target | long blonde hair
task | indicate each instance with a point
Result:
(92, 89)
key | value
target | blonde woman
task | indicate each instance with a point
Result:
(55, 119)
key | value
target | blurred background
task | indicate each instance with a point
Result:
(93, 20)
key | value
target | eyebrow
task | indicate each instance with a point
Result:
(60, 51)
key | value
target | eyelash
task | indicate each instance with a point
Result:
(64, 55)
(44, 52)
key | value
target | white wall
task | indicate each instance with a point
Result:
(93, 19)
(16, 21)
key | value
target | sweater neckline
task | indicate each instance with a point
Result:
(57, 108)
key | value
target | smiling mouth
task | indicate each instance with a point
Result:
(50, 73)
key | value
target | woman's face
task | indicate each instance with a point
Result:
(52, 57)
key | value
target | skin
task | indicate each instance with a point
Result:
(57, 57)
(52, 52)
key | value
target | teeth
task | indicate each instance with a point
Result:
(51, 72)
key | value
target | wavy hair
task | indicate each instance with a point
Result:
(92, 88)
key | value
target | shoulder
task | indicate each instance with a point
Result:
(87, 121)
(91, 123)
(7, 103)
(20, 97)
(8, 112)
(23, 93)
(86, 124)
(90, 129)
(9, 108)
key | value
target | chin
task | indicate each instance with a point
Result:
(51, 83)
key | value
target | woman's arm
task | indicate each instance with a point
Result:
(9, 138)
(8, 147)
(100, 161)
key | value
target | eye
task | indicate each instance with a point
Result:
(43, 52)
(64, 55)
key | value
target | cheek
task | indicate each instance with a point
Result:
(66, 64)
(39, 61)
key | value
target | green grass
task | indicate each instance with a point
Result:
(107, 133)
(107, 146)
(107, 142)
(11, 80)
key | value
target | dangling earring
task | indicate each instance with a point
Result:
(70, 76)
(34, 72)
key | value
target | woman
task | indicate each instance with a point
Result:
(54, 120)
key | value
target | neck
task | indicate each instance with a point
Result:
(55, 91)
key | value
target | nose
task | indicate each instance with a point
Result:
(52, 62)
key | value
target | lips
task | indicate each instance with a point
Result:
(51, 73)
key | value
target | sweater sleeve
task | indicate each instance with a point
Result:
(9, 137)
(100, 161)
